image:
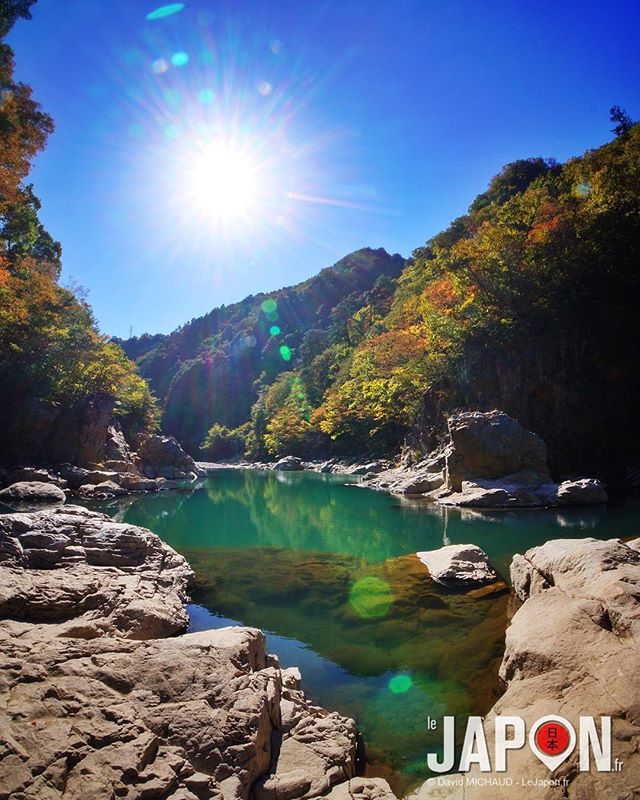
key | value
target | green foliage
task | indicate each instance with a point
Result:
(50, 348)
(623, 121)
(214, 368)
(221, 443)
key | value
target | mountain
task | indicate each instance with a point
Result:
(526, 303)
(212, 369)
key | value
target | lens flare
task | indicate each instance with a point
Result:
(165, 11)
(400, 684)
(180, 59)
(371, 597)
(285, 353)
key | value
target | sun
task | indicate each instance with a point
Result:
(223, 181)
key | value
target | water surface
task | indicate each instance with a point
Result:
(327, 571)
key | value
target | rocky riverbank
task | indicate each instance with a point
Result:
(159, 462)
(100, 698)
(571, 650)
(488, 461)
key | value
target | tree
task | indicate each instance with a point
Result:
(10, 11)
(623, 121)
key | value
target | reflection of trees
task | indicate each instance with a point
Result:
(306, 596)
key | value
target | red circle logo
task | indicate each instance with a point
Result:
(552, 738)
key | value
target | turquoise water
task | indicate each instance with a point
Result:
(327, 570)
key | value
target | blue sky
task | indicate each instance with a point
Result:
(355, 123)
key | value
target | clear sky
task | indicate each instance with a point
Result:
(237, 146)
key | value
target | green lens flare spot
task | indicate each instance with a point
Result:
(400, 684)
(206, 96)
(371, 597)
(285, 352)
(274, 330)
(165, 11)
(269, 306)
(180, 59)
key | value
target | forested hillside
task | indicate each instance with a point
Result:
(52, 356)
(212, 370)
(528, 302)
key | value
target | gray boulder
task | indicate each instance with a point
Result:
(95, 704)
(162, 457)
(288, 464)
(32, 492)
(491, 445)
(458, 564)
(102, 490)
(90, 575)
(36, 474)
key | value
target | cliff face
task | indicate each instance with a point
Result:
(42, 433)
(573, 393)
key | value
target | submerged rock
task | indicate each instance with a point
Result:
(458, 564)
(32, 492)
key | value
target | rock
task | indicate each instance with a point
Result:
(458, 564)
(34, 474)
(288, 464)
(162, 457)
(197, 715)
(317, 751)
(116, 447)
(97, 476)
(571, 649)
(135, 483)
(419, 483)
(93, 704)
(122, 467)
(32, 492)
(371, 468)
(90, 575)
(74, 476)
(362, 789)
(586, 491)
(102, 490)
(490, 445)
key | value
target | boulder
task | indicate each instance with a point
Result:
(491, 445)
(458, 565)
(288, 464)
(102, 490)
(94, 704)
(32, 492)
(36, 474)
(90, 575)
(73, 475)
(585, 491)
(370, 468)
(162, 457)
(134, 483)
